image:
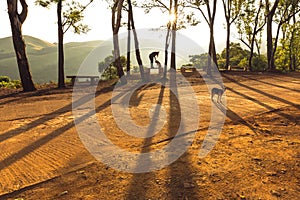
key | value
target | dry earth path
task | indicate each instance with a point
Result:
(256, 157)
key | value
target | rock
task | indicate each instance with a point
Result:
(283, 171)
(81, 172)
(257, 159)
(158, 181)
(275, 193)
(63, 193)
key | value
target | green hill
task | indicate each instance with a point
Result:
(42, 58)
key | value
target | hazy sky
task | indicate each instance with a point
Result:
(41, 23)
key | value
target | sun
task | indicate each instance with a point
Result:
(172, 17)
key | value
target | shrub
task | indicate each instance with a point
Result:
(4, 79)
(14, 84)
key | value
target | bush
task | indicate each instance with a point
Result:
(259, 63)
(4, 79)
(5, 82)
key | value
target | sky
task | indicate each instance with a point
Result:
(41, 23)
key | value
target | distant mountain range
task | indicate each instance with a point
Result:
(85, 56)
(42, 58)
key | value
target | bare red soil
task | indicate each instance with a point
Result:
(256, 157)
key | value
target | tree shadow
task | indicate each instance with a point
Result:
(52, 135)
(136, 190)
(268, 83)
(268, 107)
(271, 96)
(17, 96)
(234, 117)
(181, 184)
(47, 117)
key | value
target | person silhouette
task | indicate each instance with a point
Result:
(153, 56)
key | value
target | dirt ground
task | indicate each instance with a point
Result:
(256, 157)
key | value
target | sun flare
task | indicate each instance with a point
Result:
(172, 17)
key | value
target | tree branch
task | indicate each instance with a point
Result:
(24, 12)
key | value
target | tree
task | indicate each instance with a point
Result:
(270, 14)
(16, 20)
(174, 29)
(136, 42)
(231, 11)
(199, 61)
(237, 54)
(116, 24)
(128, 38)
(250, 23)
(294, 51)
(148, 5)
(286, 56)
(209, 17)
(286, 10)
(67, 18)
(107, 67)
(178, 19)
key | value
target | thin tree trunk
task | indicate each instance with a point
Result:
(16, 21)
(61, 71)
(136, 43)
(116, 24)
(167, 44)
(294, 57)
(270, 15)
(212, 50)
(128, 40)
(228, 45)
(174, 30)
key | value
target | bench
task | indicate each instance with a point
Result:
(93, 79)
(236, 68)
(188, 69)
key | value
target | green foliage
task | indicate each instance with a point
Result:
(72, 14)
(260, 63)
(243, 62)
(237, 53)
(5, 79)
(108, 68)
(5, 82)
(251, 22)
(199, 61)
(287, 56)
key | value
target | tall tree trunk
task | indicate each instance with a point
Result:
(116, 24)
(228, 45)
(16, 21)
(167, 44)
(174, 30)
(212, 48)
(212, 55)
(136, 43)
(61, 60)
(173, 52)
(292, 46)
(271, 65)
(128, 40)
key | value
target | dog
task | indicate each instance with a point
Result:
(219, 92)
